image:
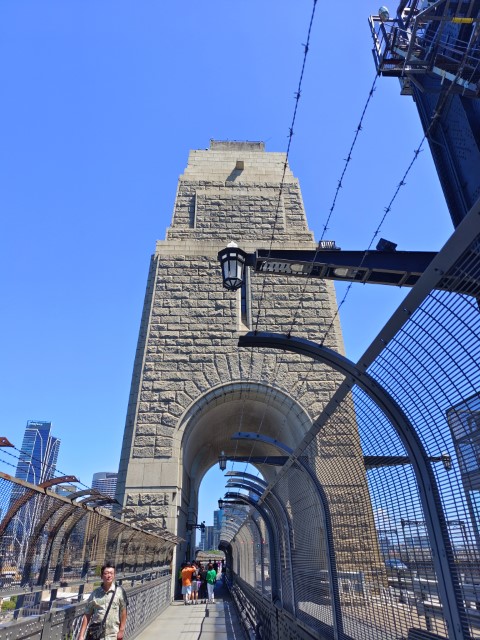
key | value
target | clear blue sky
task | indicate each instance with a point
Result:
(101, 102)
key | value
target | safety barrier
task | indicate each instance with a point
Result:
(371, 527)
(62, 621)
(52, 547)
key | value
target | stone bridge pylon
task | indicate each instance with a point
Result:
(192, 387)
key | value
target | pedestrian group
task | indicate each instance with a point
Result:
(198, 582)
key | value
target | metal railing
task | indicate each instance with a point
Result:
(436, 37)
(52, 548)
(63, 620)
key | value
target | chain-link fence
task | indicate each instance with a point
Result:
(52, 547)
(373, 523)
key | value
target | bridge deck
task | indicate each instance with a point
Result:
(217, 621)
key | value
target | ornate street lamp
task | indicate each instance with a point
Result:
(222, 461)
(220, 503)
(191, 525)
(232, 260)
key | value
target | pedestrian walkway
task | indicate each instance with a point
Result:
(217, 621)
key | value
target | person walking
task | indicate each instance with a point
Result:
(106, 608)
(211, 578)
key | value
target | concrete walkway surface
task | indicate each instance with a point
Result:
(218, 621)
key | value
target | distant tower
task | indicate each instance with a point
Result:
(217, 526)
(192, 387)
(38, 458)
(105, 482)
(36, 464)
(208, 538)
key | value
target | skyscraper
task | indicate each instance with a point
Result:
(217, 526)
(207, 539)
(105, 482)
(36, 464)
(38, 458)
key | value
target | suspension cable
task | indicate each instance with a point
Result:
(291, 130)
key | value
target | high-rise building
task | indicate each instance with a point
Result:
(36, 464)
(105, 482)
(207, 539)
(217, 526)
(38, 458)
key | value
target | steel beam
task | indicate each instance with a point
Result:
(275, 461)
(245, 435)
(248, 476)
(396, 268)
(247, 485)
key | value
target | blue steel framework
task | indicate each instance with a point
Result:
(434, 50)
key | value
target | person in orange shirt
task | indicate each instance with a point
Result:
(187, 573)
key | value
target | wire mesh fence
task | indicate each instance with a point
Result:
(64, 617)
(51, 542)
(374, 520)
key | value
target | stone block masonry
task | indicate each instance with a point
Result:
(192, 387)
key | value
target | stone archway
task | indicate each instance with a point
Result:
(192, 387)
(208, 425)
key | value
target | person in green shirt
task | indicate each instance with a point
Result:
(211, 578)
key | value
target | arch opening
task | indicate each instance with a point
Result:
(207, 428)
(209, 424)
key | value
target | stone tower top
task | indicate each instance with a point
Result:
(236, 189)
(237, 145)
(234, 161)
